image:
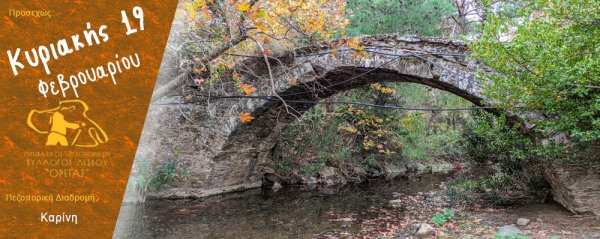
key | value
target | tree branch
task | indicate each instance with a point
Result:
(180, 79)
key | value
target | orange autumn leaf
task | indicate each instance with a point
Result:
(293, 81)
(245, 117)
(252, 15)
(248, 89)
(333, 52)
(236, 76)
(266, 40)
(206, 13)
(267, 51)
(226, 38)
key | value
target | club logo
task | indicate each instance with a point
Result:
(64, 125)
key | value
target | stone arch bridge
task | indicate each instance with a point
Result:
(223, 154)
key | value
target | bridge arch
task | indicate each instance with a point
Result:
(225, 155)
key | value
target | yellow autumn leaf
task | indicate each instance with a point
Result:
(353, 42)
(245, 117)
(242, 7)
(261, 27)
(191, 9)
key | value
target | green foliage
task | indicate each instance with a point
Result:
(548, 59)
(375, 130)
(145, 177)
(490, 138)
(426, 135)
(165, 172)
(440, 218)
(460, 190)
(415, 17)
(351, 137)
(511, 236)
(516, 170)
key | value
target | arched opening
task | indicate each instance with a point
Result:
(224, 154)
(253, 143)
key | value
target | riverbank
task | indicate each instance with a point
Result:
(472, 220)
(353, 211)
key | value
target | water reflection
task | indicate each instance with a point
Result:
(289, 213)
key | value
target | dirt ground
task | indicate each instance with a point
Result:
(547, 220)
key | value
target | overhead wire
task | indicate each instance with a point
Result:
(396, 57)
(329, 103)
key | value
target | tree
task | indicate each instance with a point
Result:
(547, 60)
(349, 136)
(415, 17)
(215, 29)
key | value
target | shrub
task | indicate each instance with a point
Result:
(440, 218)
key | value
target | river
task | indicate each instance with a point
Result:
(293, 212)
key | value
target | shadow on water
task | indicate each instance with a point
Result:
(289, 213)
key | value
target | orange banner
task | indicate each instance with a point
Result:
(77, 77)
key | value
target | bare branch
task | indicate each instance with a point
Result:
(180, 79)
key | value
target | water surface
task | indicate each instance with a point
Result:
(292, 212)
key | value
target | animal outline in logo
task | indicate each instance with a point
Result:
(61, 129)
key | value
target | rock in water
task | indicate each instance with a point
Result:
(443, 167)
(522, 221)
(311, 180)
(425, 231)
(329, 183)
(327, 173)
(508, 230)
(276, 187)
(393, 172)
